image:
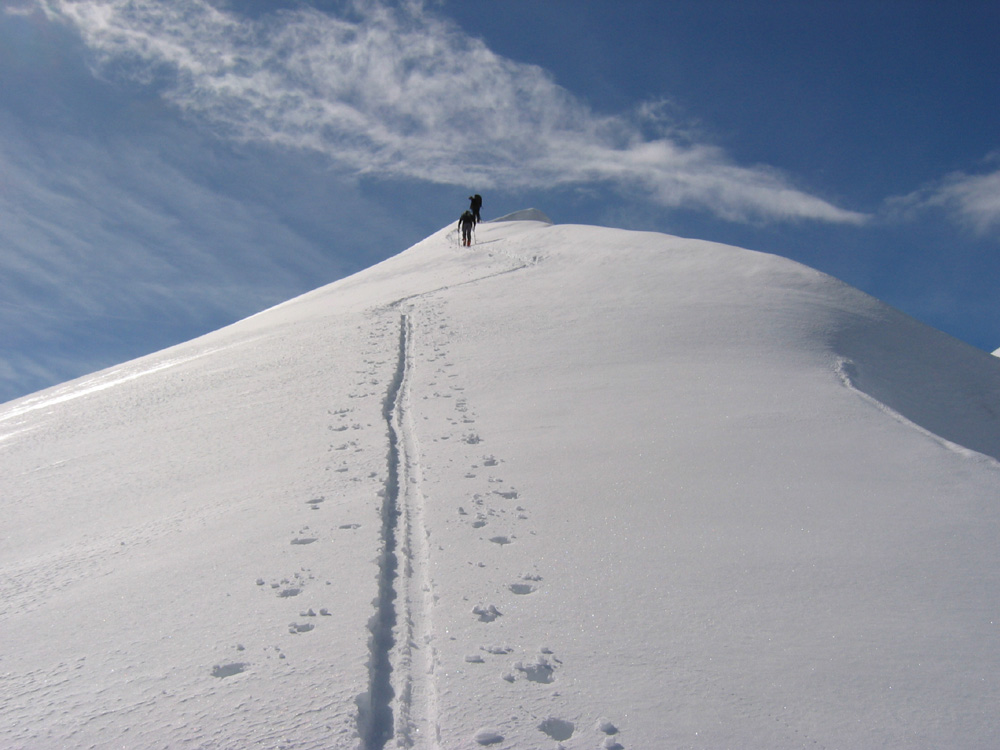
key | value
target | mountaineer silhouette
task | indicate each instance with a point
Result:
(465, 225)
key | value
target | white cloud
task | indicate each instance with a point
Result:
(20, 8)
(109, 249)
(972, 200)
(113, 229)
(399, 92)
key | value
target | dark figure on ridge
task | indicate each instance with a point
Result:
(465, 225)
(476, 203)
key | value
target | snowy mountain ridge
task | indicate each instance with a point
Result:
(572, 485)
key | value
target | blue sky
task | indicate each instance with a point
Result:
(169, 167)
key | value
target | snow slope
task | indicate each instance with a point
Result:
(572, 485)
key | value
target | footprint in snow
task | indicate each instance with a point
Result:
(491, 650)
(521, 589)
(228, 670)
(304, 540)
(501, 540)
(488, 737)
(487, 614)
(557, 729)
(539, 670)
(603, 725)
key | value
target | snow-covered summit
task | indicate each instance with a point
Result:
(527, 214)
(571, 485)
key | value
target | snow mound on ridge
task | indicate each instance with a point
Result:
(526, 214)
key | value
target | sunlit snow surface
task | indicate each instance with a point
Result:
(571, 485)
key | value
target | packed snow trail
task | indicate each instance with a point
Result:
(414, 683)
(401, 702)
(375, 716)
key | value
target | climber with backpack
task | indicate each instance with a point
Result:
(465, 225)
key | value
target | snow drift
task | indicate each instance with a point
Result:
(572, 485)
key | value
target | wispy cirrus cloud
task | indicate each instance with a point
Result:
(972, 200)
(82, 234)
(109, 249)
(399, 92)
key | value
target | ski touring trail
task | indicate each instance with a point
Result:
(401, 702)
(415, 715)
(401, 708)
(375, 710)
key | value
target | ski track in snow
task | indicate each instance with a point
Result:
(418, 719)
(401, 705)
(375, 717)
(415, 658)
